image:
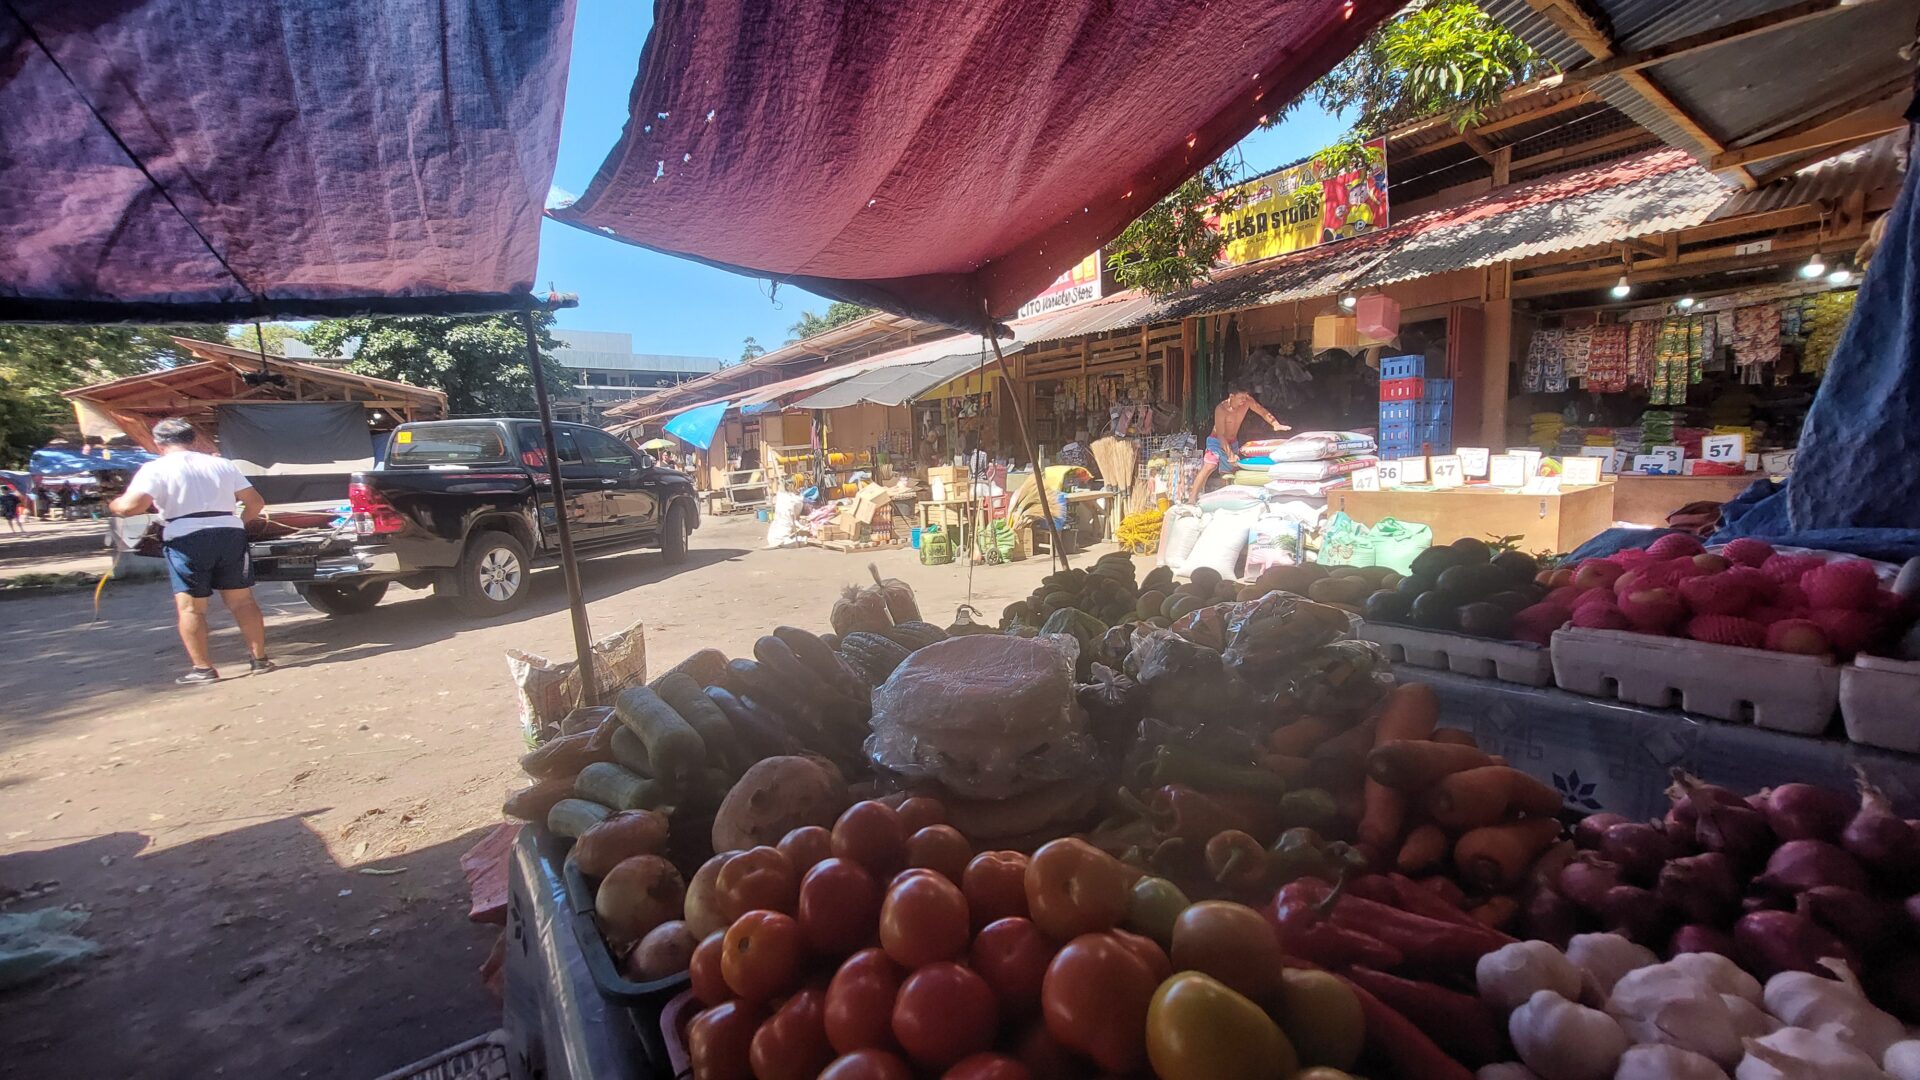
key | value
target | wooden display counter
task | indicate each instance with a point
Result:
(1647, 500)
(1557, 523)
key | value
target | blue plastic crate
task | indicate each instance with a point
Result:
(1403, 367)
(1439, 390)
(1395, 431)
(1398, 412)
(1433, 412)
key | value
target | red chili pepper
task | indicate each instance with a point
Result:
(1459, 1024)
(1373, 887)
(1393, 1038)
(1298, 915)
(1426, 943)
(1421, 900)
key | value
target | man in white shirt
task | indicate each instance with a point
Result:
(205, 540)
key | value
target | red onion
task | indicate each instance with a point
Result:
(1588, 831)
(1695, 937)
(1551, 917)
(1703, 888)
(1735, 829)
(1586, 878)
(1883, 843)
(1806, 812)
(1634, 912)
(1799, 865)
(1765, 902)
(1913, 911)
(1688, 793)
(1769, 942)
(1638, 849)
(1854, 917)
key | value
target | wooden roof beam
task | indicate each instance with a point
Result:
(1861, 122)
(1739, 29)
(1573, 20)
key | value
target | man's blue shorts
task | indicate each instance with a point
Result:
(209, 560)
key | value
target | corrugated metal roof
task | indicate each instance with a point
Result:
(897, 386)
(1877, 166)
(1741, 91)
(1120, 311)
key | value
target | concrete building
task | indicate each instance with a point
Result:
(604, 371)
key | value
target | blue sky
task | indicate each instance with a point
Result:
(672, 305)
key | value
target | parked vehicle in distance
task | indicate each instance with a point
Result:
(466, 506)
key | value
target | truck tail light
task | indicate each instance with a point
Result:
(372, 513)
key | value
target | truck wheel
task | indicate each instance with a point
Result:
(337, 600)
(673, 535)
(492, 575)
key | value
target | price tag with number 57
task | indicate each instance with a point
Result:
(1725, 449)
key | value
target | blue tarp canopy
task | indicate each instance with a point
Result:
(186, 161)
(51, 461)
(697, 426)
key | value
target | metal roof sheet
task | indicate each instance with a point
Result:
(1876, 166)
(1120, 311)
(897, 386)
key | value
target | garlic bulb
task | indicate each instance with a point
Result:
(1560, 1040)
(1748, 1019)
(1903, 1060)
(1662, 1004)
(1805, 1000)
(1718, 972)
(1657, 1062)
(1794, 1053)
(1606, 957)
(1509, 975)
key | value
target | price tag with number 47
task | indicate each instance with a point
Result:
(1447, 471)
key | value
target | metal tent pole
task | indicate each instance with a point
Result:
(582, 634)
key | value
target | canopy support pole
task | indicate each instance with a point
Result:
(569, 567)
(1039, 474)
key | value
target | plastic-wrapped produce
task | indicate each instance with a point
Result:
(987, 716)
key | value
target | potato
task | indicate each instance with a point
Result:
(665, 951)
(702, 905)
(619, 837)
(776, 796)
(637, 895)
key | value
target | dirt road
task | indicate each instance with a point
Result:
(219, 835)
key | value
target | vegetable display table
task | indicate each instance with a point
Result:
(1603, 755)
(558, 1025)
(1647, 500)
(1558, 522)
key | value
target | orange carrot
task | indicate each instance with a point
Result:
(1497, 912)
(1487, 795)
(1291, 769)
(1424, 849)
(1300, 737)
(1413, 764)
(1454, 735)
(1411, 711)
(1497, 857)
(1380, 823)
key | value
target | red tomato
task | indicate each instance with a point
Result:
(720, 1040)
(988, 1067)
(870, 834)
(923, 920)
(1149, 952)
(708, 984)
(859, 1009)
(1095, 1000)
(806, 846)
(868, 1065)
(760, 958)
(792, 1043)
(1231, 942)
(839, 907)
(919, 812)
(941, 849)
(1045, 1057)
(760, 879)
(944, 1013)
(1012, 955)
(996, 886)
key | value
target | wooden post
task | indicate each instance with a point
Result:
(569, 567)
(1496, 357)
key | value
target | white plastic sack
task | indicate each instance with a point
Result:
(785, 528)
(1222, 542)
(1179, 531)
(1274, 540)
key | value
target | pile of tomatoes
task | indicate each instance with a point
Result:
(886, 949)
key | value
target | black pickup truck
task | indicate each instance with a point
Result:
(466, 506)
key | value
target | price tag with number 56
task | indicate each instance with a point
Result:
(1390, 474)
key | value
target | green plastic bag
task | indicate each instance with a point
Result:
(1396, 543)
(936, 547)
(997, 541)
(1345, 542)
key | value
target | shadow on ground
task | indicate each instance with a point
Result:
(248, 953)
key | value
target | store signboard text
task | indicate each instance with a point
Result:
(1079, 284)
(1302, 207)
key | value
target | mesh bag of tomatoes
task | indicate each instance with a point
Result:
(886, 949)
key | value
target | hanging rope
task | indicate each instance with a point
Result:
(1026, 437)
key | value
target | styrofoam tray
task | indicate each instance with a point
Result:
(1774, 690)
(1508, 661)
(1880, 701)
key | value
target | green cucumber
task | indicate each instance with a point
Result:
(685, 696)
(573, 817)
(674, 749)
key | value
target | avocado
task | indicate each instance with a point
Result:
(1415, 584)
(1511, 600)
(1434, 611)
(1206, 577)
(1518, 565)
(1486, 620)
(1388, 606)
(1430, 562)
(1469, 583)
(1472, 549)
(1151, 603)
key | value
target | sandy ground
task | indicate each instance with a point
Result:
(55, 547)
(220, 835)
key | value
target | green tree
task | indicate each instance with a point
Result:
(37, 363)
(838, 312)
(22, 427)
(1171, 248)
(479, 362)
(751, 350)
(242, 336)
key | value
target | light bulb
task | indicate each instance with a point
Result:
(1349, 302)
(1814, 268)
(1841, 276)
(1622, 288)
(1685, 303)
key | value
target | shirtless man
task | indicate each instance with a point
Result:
(1222, 445)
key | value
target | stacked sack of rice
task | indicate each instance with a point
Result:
(1309, 464)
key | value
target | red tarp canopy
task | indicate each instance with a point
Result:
(943, 160)
(198, 161)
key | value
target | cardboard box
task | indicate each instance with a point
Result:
(949, 475)
(868, 502)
